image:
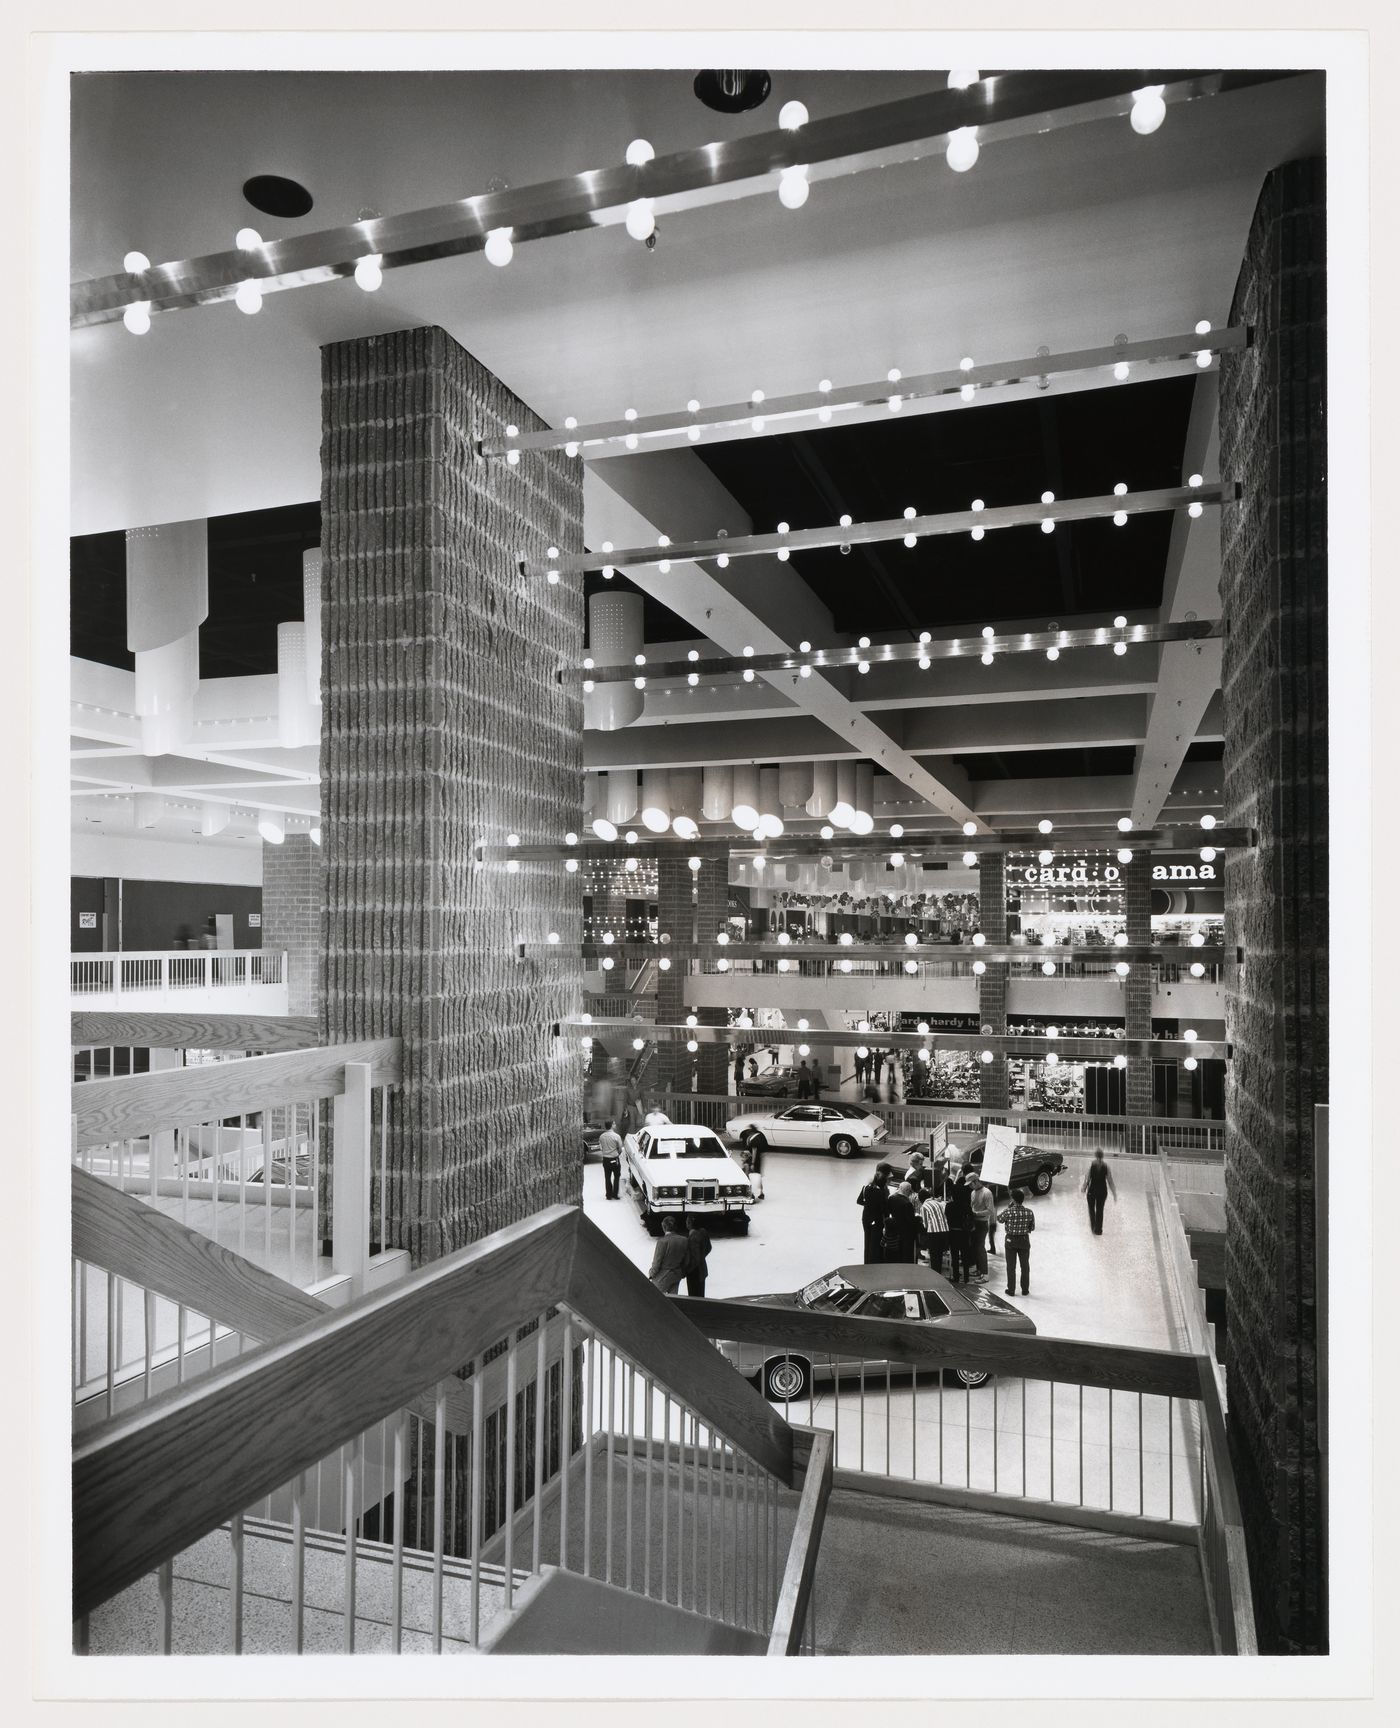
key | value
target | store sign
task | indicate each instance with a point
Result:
(1193, 870)
(1077, 875)
(255, 920)
(87, 920)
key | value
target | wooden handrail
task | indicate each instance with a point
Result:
(1120, 1367)
(149, 1482)
(107, 1110)
(266, 1032)
(1235, 1619)
(795, 1592)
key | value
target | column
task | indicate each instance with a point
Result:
(714, 1065)
(1137, 994)
(444, 725)
(991, 986)
(675, 917)
(291, 916)
(1273, 589)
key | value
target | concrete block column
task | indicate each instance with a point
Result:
(444, 725)
(675, 916)
(1137, 989)
(1273, 589)
(291, 916)
(991, 986)
(714, 1065)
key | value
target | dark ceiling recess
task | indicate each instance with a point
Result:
(276, 196)
(1065, 764)
(254, 585)
(732, 92)
(1075, 445)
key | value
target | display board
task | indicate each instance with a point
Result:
(996, 1160)
(938, 1141)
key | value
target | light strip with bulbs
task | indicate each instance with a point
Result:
(1010, 1044)
(912, 845)
(1000, 106)
(731, 418)
(894, 528)
(942, 953)
(897, 653)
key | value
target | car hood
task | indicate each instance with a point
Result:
(673, 1170)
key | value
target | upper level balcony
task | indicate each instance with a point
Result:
(209, 981)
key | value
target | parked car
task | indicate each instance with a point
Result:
(810, 1128)
(1033, 1167)
(681, 1168)
(913, 1293)
(771, 1082)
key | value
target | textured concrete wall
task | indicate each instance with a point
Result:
(444, 726)
(714, 1067)
(1137, 986)
(291, 916)
(991, 986)
(1274, 594)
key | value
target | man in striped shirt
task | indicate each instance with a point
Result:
(934, 1222)
(1017, 1222)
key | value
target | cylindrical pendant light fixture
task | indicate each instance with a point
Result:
(149, 808)
(656, 800)
(311, 616)
(718, 798)
(619, 802)
(745, 811)
(687, 789)
(823, 790)
(794, 784)
(298, 723)
(272, 826)
(213, 819)
(166, 680)
(614, 639)
(770, 823)
(864, 819)
(843, 811)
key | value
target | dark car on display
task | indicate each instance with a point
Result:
(1033, 1167)
(913, 1293)
(773, 1082)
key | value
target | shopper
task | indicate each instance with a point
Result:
(1098, 1182)
(861, 1062)
(872, 1200)
(738, 1073)
(958, 1207)
(804, 1081)
(901, 1227)
(934, 1219)
(984, 1223)
(816, 1081)
(669, 1263)
(610, 1145)
(1018, 1221)
(697, 1263)
(916, 1172)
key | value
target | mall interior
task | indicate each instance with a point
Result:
(783, 610)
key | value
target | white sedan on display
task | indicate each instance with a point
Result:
(843, 1128)
(685, 1170)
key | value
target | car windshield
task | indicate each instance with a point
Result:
(831, 1293)
(693, 1146)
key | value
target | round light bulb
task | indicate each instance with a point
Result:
(1045, 825)
(1120, 1061)
(979, 967)
(1124, 855)
(137, 317)
(1047, 857)
(961, 78)
(827, 831)
(639, 153)
(1125, 824)
(693, 863)
(1149, 110)
(793, 189)
(368, 274)
(1197, 970)
(1120, 371)
(1122, 968)
(571, 865)
(1048, 968)
(248, 240)
(979, 940)
(986, 1056)
(1052, 653)
(969, 858)
(499, 248)
(963, 149)
(792, 116)
(1189, 1063)
(1207, 821)
(641, 218)
(1207, 854)
(135, 262)
(248, 297)
(1052, 1031)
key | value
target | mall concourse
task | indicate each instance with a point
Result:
(603, 713)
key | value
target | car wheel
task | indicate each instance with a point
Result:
(755, 1142)
(972, 1376)
(1040, 1182)
(786, 1379)
(843, 1146)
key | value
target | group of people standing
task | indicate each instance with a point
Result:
(929, 1215)
(681, 1253)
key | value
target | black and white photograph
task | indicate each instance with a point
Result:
(693, 718)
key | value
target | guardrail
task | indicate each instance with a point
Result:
(1184, 1138)
(581, 1388)
(253, 979)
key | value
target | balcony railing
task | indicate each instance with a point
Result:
(252, 978)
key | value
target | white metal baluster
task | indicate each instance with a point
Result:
(539, 1443)
(1081, 1444)
(299, 1559)
(348, 1589)
(1023, 1437)
(511, 1360)
(418, 1494)
(478, 1493)
(183, 1144)
(384, 1172)
(235, 1584)
(566, 1438)
(629, 1415)
(1140, 1475)
(590, 1351)
(889, 1399)
(646, 1493)
(396, 1597)
(1171, 1461)
(666, 1497)
(439, 1467)
(289, 1177)
(181, 1331)
(862, 1412)
(165, 1583)
(695, 1518)
(315, 1161)
(709, 1519)
(111, 1343)
(267, 1187)
(82, 1321)
(967, 1433)
(996, 1434)
(1110, 1448)
(608, 1468)
(150, 1329)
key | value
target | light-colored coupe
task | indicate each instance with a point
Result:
(845, 1129)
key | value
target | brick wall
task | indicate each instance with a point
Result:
(1274, 678)
(991, 986)
(291, 916)
(444, 725)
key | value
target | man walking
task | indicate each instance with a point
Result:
(1098, 1182)
(668, 1264)
(1018, 1221)
(610, 1145)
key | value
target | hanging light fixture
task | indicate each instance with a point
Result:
(745, 811)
